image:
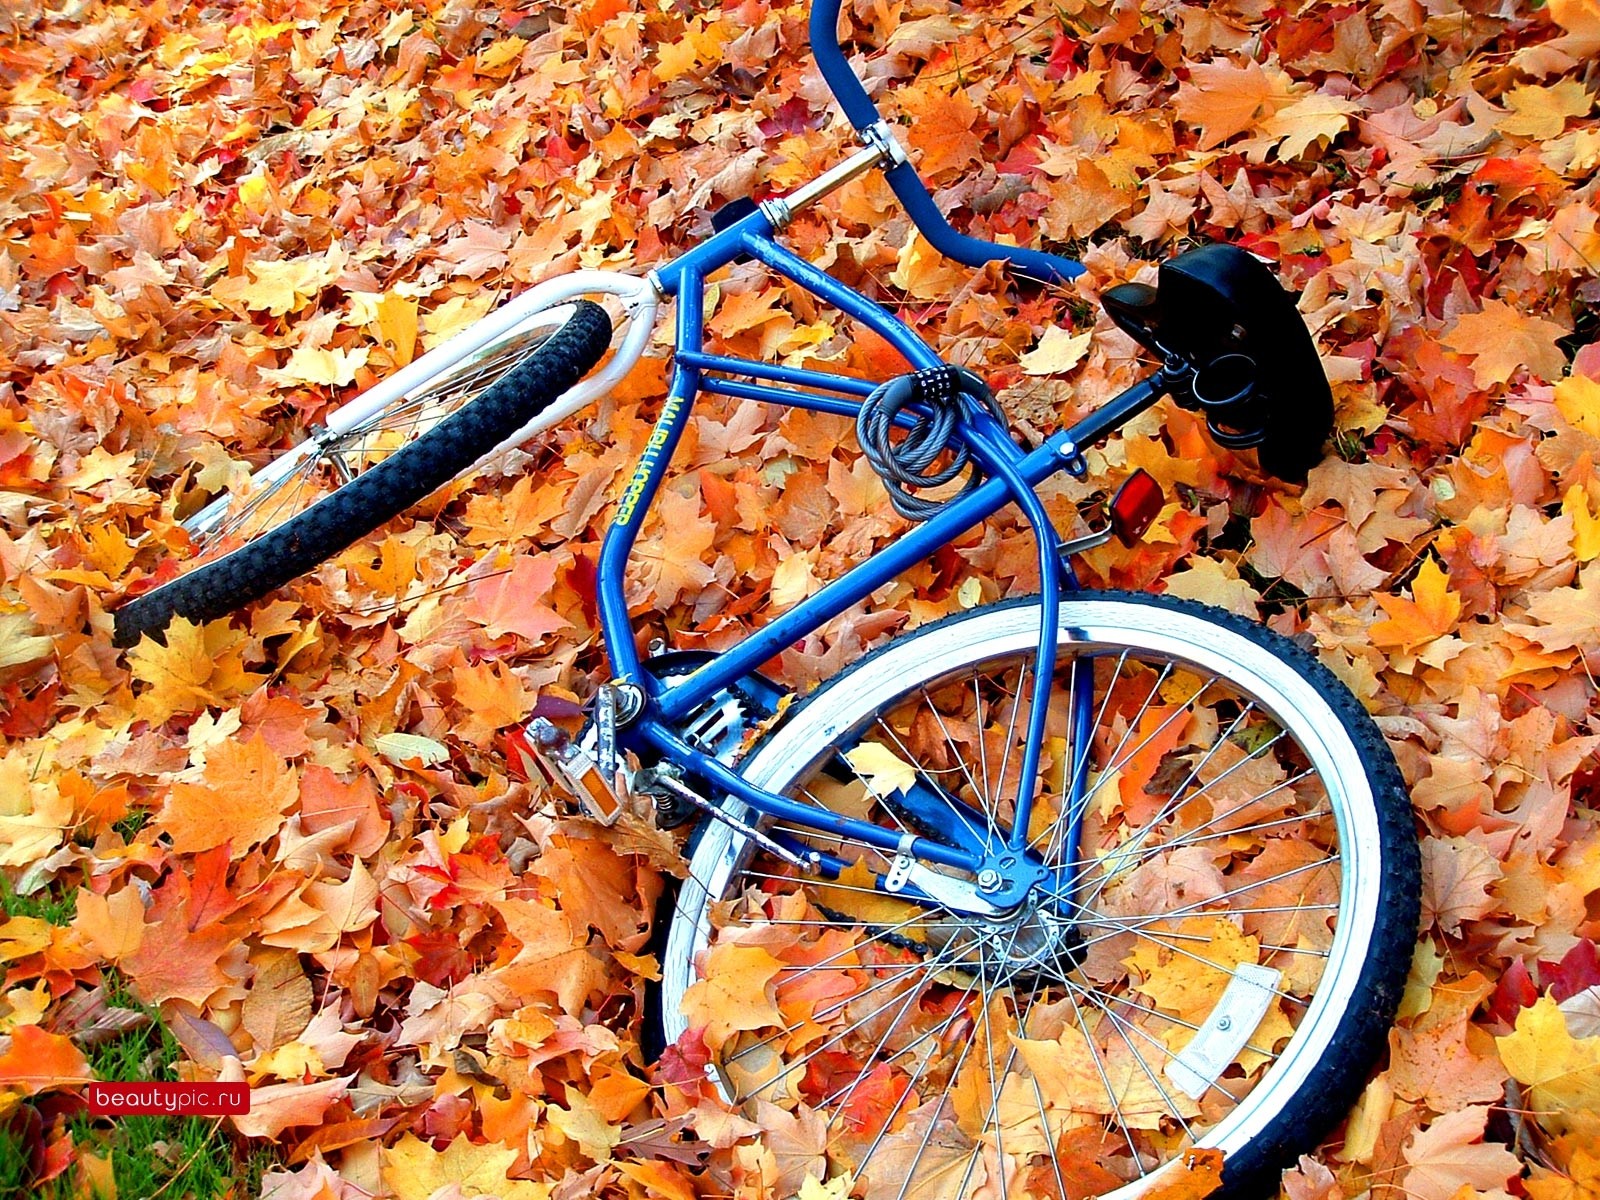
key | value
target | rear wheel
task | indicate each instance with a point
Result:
(343, 483)
(1213, 966)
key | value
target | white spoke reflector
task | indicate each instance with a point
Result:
(1223, 1034)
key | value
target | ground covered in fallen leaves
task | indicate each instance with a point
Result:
(285, 847)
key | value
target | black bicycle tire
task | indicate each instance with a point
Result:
(376, 495)
(1336, 1081)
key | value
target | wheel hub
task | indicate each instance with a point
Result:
(1029, 943)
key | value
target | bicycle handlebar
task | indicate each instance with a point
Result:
(904, 180)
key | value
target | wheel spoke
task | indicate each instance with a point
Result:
(979, 792)
(911, 1084)
(1087, 917)
(1105, 1081)
(899, 972)
(1122, 1029)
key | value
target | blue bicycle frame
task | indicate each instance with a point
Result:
(1013, 474)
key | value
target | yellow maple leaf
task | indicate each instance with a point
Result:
(1578, 400)
(455, 314)
(793, 580)
(414, 1170)
(1542, 112)
(1561, 1072)
(27, 1005)
(18, 642)
(35, 816)
(1057, 353)
(583, 1123)
(501, 53)
(1581, 1181)
(1190, 984)
(22, 936)
(674, 60)
(282, 287)
(325, 367)
(837, 1188)
(1585, 523)
(883, 771)
(395, 318)
(924, 272)
(199, 666)
(1313, 118)
(1216, 583)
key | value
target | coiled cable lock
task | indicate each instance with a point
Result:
(905, 465)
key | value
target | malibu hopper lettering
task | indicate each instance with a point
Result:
(647, 461)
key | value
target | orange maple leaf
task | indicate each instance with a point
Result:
(1224, 99)
(513, 601)
(38, 1061)
(1503, 339)
(1431, 613)
(112, 926)
(1194, 1175)
(247, 791)
(736, 993)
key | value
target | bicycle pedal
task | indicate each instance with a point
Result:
(543, 747)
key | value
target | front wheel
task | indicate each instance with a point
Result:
(1212, 966)
(343, 483)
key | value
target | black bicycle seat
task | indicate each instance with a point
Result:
(1257, 375)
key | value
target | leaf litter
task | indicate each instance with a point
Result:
(291, 833)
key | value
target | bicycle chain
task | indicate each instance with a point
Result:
(897, 940)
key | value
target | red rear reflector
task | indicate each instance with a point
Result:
(1137, 503)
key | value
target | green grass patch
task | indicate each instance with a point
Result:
(175, 1157)
(58, 909)
(131, 824)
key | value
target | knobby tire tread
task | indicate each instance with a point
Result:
(378, 494)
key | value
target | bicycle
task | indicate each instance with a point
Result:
(1114, 896)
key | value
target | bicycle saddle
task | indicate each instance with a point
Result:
(1256, 372)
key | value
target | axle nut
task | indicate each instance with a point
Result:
(989, 880)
